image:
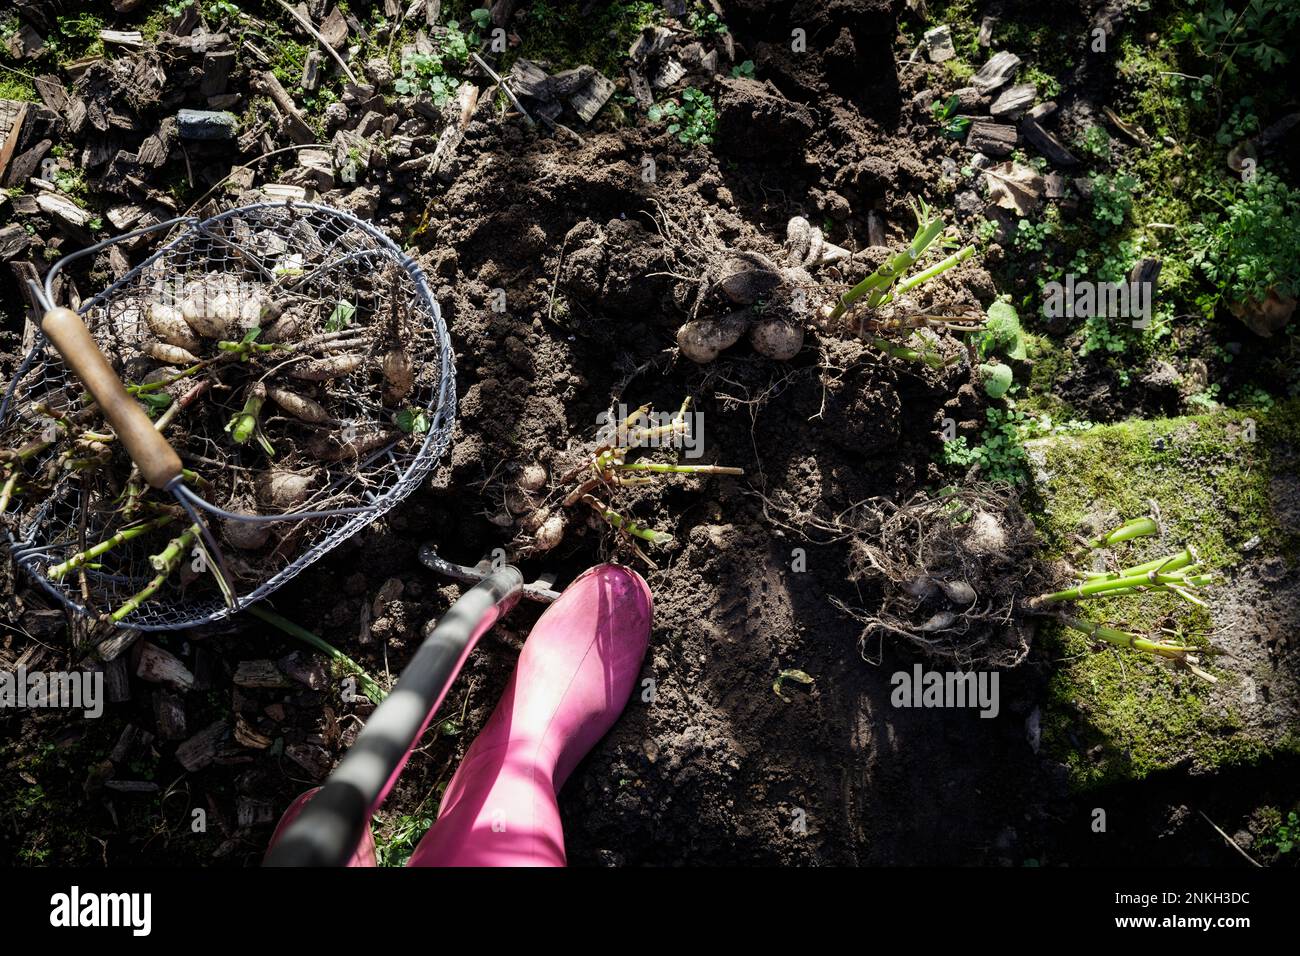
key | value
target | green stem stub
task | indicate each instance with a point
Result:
(1133, 528)
(631, 527)
(164, 563)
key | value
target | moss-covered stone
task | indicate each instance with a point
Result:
(1115, 715)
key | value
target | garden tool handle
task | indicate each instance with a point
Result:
(332, 823)
(158, 462)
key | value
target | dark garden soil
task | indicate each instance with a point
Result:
(708, 765)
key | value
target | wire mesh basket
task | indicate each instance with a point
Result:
(342, 280)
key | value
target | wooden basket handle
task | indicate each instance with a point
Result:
(157, 460)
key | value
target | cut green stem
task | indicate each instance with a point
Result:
(1126, 639)
(245, 424)
(1133, 528)
(1168, 564)
(925, 276)
(7, 491)
(369, 685)
(662, 468)
(1177, 581)
(877, 284)
(628, 525)
(164, 563)
(932, 359)
(108, 544)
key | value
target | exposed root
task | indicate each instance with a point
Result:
(944, 572)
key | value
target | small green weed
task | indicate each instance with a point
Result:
(704, 22)
(1242, 122)
(1095, 142)
(1226, 36)
(1254, 248)
(945, 114)
(745, 69)
(1284, 836)
(692, 120)
(1112, 198)
(1001, 451)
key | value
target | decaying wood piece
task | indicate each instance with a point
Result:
(26, 42)
(639, 87)
(529, 79)
(118, 264)
(25, 273)
(451, 136)
(12, 115)
(1046, 143)
(589, 98)
(130, 741)
(310, 757)
(667, 74)
(318, 167)
(52, 92)
(334, 28)
(259, 674)
(307, 671)
(1146, 272)
(652, 42)
(157, 146)
(1014, 100)
(117, 681)
(250, 812)
(969, 99)
(938, 43)
(63, 209)
(161, 667)
(127, 38)
(311, 70)
(124, 215)
(246, 736)
(1042, 111)
(502, 10)
(13, 241)
(295, 123)
(169, 715)
(217, 65)
(287, 192)
(999, 68)
(992, 139)
(199, 751)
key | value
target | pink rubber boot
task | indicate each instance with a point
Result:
(574, 677)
